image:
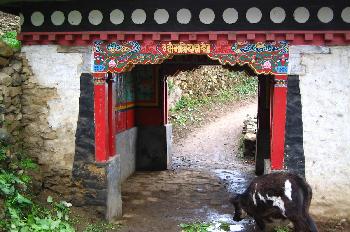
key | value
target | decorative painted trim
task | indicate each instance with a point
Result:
(263, 58)
(99, 81)
(279, 83)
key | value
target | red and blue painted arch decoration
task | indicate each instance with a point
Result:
(262, 57)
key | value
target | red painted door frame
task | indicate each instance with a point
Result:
(101, 117)
(278, 121)
(104, 112)
(112, 115)
(105, 132)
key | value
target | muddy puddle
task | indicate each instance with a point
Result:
(234, 181)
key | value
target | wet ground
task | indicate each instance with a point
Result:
(205, 171)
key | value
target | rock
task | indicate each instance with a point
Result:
(5, 50)
(3, 61)
(50, 135)
(26, 70)
(8, 70)
(14, 91)
(16, 101)
(17, 65)
(16, 79)
(5, 79)
(249, 136)
(10, 108)
(5, 137)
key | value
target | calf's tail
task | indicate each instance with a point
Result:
(307, 192)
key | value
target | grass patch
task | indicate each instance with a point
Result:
(282, 229)
(102, 227)
(205, 227)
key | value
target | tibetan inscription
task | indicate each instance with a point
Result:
(186, 48)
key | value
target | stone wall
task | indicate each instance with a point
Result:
(50, 108)
(9, 22)
(325, 97)
(12, 76)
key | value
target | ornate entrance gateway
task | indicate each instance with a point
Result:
(120, 57)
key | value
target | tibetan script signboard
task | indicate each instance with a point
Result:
(118, 57)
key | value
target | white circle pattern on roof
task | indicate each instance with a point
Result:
(230, 15)
(74, 17)
(37, 18)
(207, 16)
(161, 16)
(345, 14)
(301, 15)
(57, 18)
(95, 17)
(277, 15)
(116, 16)
(139, 16)
(254, 15)
(184, 16)
(325, 14)
(21, 18)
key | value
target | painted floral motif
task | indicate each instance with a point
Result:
(263, 58)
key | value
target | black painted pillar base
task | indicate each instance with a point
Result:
(263, 131)
(153, 148)
(94, 184)
(294, 157)
(99, 185)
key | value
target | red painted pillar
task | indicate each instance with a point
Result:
(111, 114)
(101, 117)
(278, 122)
(165, 102)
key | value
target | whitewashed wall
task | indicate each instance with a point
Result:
(60, 71)
(325, 94)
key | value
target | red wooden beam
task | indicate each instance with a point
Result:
(68, 37)
(340, 37)
(52, 37)
(101, 117)
(278, 122)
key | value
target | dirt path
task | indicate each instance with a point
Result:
(205, 169)
(216, 144)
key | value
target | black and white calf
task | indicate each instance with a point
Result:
(277, 196)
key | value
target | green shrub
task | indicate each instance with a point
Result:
(10, 38)
(20, 213)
